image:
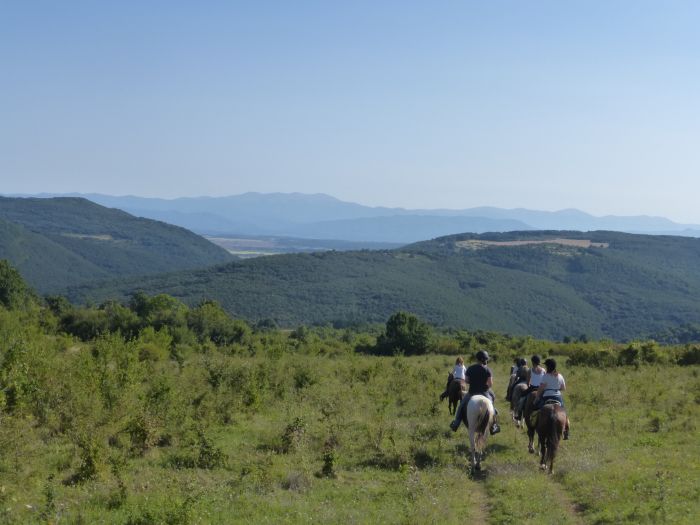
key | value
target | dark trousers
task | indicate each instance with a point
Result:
(459, 414)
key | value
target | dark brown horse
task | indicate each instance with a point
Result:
(455, 392)
(516, 395)
(530, 417)
(550, 427)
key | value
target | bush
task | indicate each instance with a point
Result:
(14, 292)
(690, 356)
(405, 333)
(210, 322)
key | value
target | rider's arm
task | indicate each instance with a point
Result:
(540, 390)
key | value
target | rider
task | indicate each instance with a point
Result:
(458, 373)
(480, 380)
(551, 387)
(535, 375)
(518, 374)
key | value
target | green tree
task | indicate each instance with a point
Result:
(159, 311)
(210, 322)
(406, 333)
(14, 292)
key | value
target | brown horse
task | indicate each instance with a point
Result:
(455, 392)
(530, 417)
(521, 374)
(516, 395)
(550, 427)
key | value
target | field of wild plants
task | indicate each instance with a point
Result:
(158, 413)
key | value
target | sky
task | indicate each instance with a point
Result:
(453, 104)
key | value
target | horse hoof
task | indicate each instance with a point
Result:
(543, 467)
(477, 467)
(531, 450)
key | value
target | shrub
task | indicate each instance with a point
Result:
(629, 355)
(14, 292)
(293, 435)
(201, 453)
(690, 356)
(405, 333)
(210, 322)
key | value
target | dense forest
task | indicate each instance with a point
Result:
(63, 241)
(622, 287)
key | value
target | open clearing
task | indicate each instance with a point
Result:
(474, 244)
(377, 428)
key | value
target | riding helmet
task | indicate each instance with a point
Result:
(482, 355)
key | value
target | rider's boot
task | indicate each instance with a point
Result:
(495, 428)
(454, 424)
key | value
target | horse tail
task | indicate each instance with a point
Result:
(482, 425)
(553, 435)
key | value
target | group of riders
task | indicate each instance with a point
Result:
(547, 383)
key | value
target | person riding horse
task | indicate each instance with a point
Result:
(535, 375)
(480, 380)
(518, 375)
(458, 373)
(551, 387)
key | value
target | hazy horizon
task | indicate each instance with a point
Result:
(545, 106)
(422, 209)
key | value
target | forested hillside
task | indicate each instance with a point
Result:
(629, 286)
(63, 241)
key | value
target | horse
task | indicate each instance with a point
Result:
(455, 392)
(520, 375)
(516, 395)
(480, 415)
(530, 421)
(550, 427)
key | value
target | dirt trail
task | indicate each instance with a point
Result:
(481, 510)
(559, 493)
(514, 485)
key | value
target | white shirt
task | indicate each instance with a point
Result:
(536, 378)
(460, 372)
(552, 384)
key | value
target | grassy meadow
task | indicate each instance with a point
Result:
(196, 418)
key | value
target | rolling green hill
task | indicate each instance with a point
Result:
(66, 241)
(630, 286)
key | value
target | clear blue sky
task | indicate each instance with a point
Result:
(538, 104)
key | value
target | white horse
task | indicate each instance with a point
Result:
(480, 416)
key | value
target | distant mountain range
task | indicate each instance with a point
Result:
(56, 241)
(546, 283)
(321, 216)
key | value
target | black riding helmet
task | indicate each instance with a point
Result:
(482, 355)
(550, 364)
(535, 359)
(522, 362)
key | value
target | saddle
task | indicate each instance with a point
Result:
(535, 413)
